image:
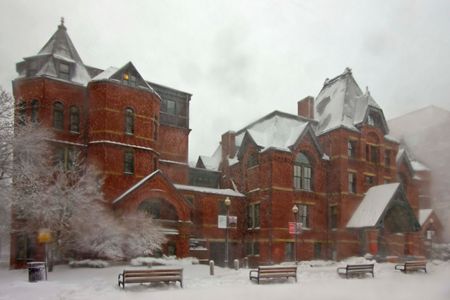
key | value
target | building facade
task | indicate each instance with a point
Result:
(331, 167)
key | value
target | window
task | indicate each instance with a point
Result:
(333, 216)
(372, 153)
(303, 215)
(289, 251)
(302, 173)
(317, 250)
(387, 158)
(21, 110)
(252, 248)
(370, 180)
(370, 120)
(74, 119)
(129, 121)
(253, 220)
(171, 107)
(64, 71)
(151, 208)
(129, 79)
(58, 115)
(65, 158)
(252, 160)
(351, 149)
(128, 159)
(34, 111)
(352, 183)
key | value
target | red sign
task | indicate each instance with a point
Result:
(292, 228)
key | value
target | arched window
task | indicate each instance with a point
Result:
(34, 111)
(74, 119)
(58, 115)
(129, 121)
(128, 162)
(302, 173)
(151, 207)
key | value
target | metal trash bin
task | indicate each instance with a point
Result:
(37, 271)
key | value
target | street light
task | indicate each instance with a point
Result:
(430, 233)
(295, 212)
(227, 203)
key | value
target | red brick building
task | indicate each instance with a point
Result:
(334, 161)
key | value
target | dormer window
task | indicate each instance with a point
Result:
(64, 71)
(32, 68)
(370, 120)
(129, 79)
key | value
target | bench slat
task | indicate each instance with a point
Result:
(150, 275)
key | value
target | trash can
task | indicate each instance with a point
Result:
(36, 271)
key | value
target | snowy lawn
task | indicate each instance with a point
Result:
(316, 280)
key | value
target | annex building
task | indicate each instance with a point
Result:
(355, 190)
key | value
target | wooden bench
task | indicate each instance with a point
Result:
(411, 266)
(266, 272)
(150, 275)
(351, 270)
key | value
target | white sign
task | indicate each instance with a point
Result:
(222, 221)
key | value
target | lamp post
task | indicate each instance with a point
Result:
(295, 212)
(430, 233)
(227, 203)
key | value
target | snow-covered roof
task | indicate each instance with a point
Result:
(60, 48)
(212, 162)
(372, 207)
(424, 214)
(418, 166)
(134, 187)
(341, 103)
(224, 192)
(276, 130)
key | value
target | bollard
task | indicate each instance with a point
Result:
(211, 267)
(236, 264)
(246, 262)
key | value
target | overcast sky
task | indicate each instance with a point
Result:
(243, 59)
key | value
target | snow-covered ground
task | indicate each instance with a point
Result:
(316, 280)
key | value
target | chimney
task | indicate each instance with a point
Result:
(228, 144)
(306, 107)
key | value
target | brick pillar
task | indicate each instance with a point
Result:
(182, 243)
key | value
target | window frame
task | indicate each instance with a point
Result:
(58, 115)
(128, 162)
(304, 215)
(254, 216)
(74, 119)
(129, 125)
(302, 173)
(62, 72)
(352, 182)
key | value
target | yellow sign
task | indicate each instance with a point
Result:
(44, 236)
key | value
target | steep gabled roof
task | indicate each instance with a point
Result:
(276, 130)
(59, 48)
(210, 162)
(373, 206)
(378, 205)
(341, 103)
(117, 74)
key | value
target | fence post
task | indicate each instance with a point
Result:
(211, 267)
(236, 264)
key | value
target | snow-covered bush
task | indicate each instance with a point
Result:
(88, 263)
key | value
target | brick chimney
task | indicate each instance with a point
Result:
(306, 107)
(228, 144)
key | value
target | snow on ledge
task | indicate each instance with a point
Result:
(201, 189)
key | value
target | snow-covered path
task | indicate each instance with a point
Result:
(316, 280)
